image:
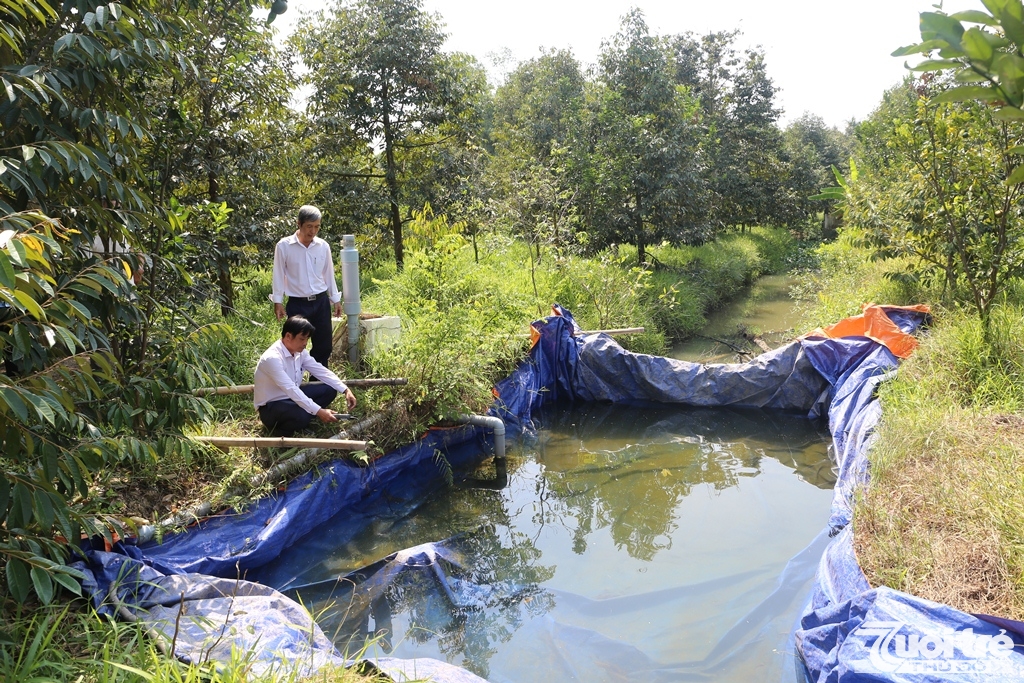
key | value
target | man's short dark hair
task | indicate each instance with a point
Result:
(308, 213)
(297, 325)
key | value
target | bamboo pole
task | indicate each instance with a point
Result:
(351, 383)
(621, 330)
(618, 331)
(224, 442)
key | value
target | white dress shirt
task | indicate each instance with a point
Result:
(279, 373)
(302, 271)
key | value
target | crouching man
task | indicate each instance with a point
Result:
(284, 406)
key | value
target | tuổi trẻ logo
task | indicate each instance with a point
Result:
(894, 648)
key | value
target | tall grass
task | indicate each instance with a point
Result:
(845, 276)
(73, 643)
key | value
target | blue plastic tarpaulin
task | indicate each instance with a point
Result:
(849, 632)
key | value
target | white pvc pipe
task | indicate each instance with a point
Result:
(496, 424)
(350, 294)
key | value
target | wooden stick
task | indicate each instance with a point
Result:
(280, 442)
(351, 383)
(621, 330)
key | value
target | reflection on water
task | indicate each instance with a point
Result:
(765, 310)
(632, 543)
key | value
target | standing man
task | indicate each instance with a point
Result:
(283, 405)
(304, 272)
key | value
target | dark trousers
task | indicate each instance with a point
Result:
(319, 313)
(285, 417)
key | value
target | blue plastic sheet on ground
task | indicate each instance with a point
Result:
(563, 367)
(157, 583)
(849, 632)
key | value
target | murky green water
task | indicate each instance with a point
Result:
(650, 543)
(766, 310)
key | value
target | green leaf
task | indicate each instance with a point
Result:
(67, 529)
(42, 407)
(919, 48)
(942, 26)
(84, 313)
(1011, 76)
(43, 584)
(79, 472)
(975, 16)
(70, 341)
(969, 92)
(69, 582)
(30, 305)
(831, 193)
(17, 579)
(144, 675)
(17, 252)
(976, 46)
(936, 65)
(21, 509)
(106, 278)
(1016, 177)
(6, 271)
(1016, 150)
(14, 403)
(994, 6)
(839, 177)
(968, 76)
(1013, 28)
(5, 495)
(49, 460)
(43, 507)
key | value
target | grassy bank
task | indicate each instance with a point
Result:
(943, 516)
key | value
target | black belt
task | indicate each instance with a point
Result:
(311, 298)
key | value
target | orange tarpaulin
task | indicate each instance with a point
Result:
(875, 325)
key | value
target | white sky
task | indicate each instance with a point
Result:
(827, 57)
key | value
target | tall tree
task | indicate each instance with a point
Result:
(645, 145)
(224, 125)
(747, 162)
(539, 104)
(814, 149)
(535, 180)
(377, 66)
(71, 170)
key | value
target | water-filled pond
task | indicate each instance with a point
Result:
(654, 543)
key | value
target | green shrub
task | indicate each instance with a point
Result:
(776, 248)
(846, 277)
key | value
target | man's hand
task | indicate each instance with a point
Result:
(350, 399)
(279, 311)
(326, 415)
(337, 310)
